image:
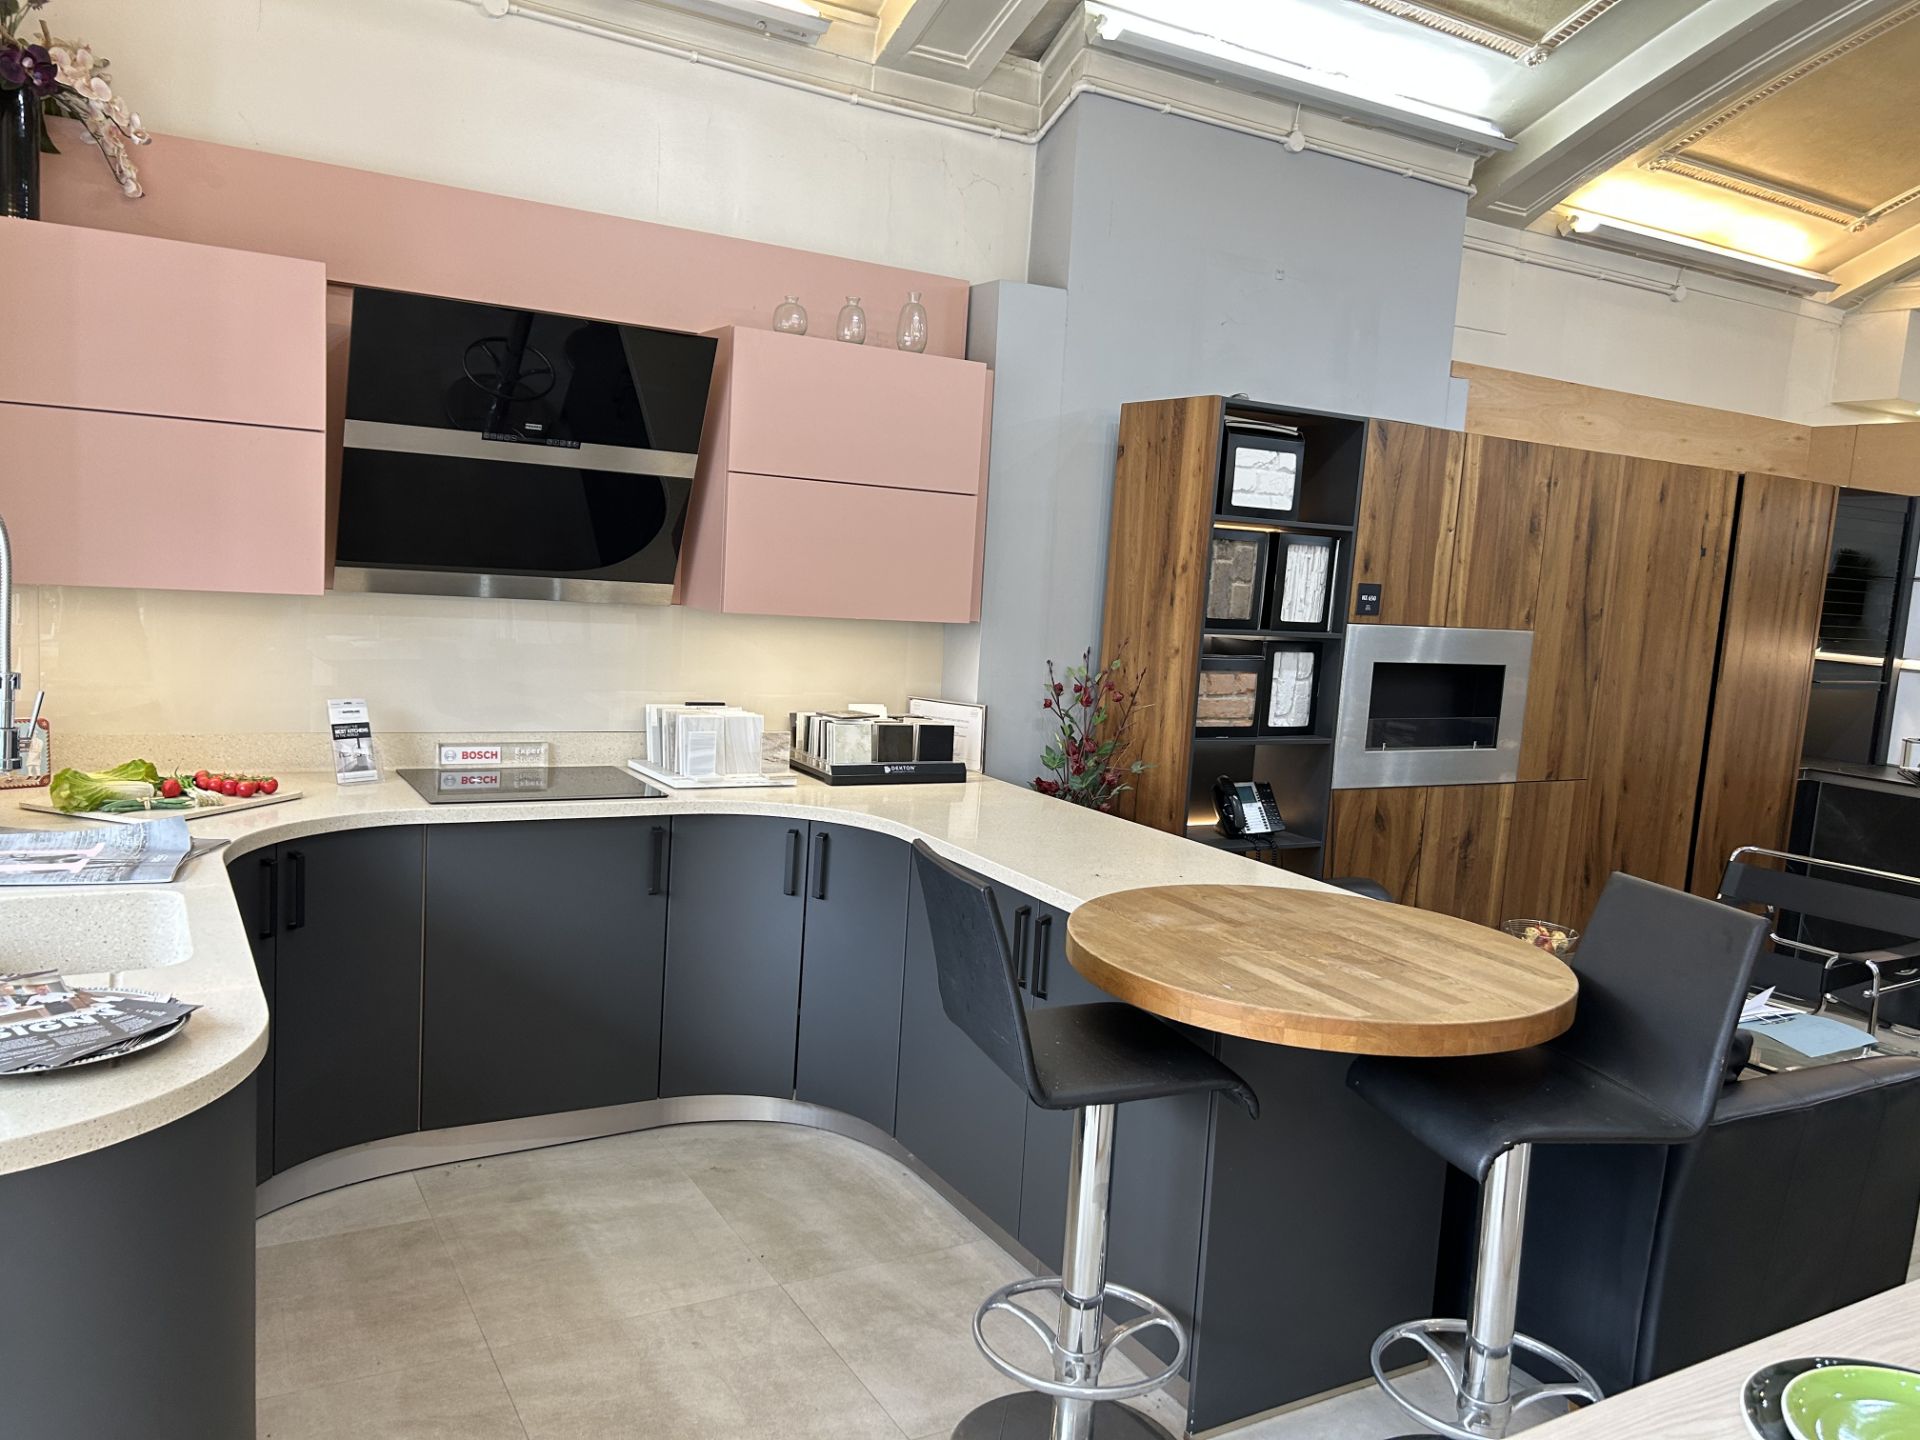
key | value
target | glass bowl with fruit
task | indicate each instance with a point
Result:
(1555, 939)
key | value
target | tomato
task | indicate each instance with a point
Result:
(245, 789)
(269, 785)
(170, 788)
(228, 786)
(200, 778)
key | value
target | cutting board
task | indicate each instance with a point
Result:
(227, 806)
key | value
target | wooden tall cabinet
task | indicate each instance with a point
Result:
(1170, 507)
(1673, 610)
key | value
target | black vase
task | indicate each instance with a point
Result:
(20, 154)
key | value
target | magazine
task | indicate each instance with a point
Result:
(47, 1023)
(150, 854)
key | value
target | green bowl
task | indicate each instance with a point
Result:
(1853, 1402)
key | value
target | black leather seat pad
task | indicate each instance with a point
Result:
(1472, 1110)
(1109, 1054)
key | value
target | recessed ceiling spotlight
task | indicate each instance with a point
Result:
(777, 19)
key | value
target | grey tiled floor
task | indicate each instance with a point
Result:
(706, 1282)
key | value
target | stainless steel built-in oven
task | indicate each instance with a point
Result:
(1423, 705)
(491, 451)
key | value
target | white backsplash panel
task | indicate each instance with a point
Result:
(176, 662)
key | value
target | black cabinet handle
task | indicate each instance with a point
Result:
(794, 857)
(820, 866)
(1042, 956)
(297, 911)
(269, 897)
(1021, 919)
(657, 881)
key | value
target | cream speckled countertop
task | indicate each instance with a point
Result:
(1051, 850)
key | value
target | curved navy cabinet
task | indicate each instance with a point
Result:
(129, 1285)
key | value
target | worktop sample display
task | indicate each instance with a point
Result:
(452, 982)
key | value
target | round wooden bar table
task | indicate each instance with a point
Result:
(1321, 970)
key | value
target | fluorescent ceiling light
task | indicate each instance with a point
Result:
(781, 19)
(1375, 102)
(1646, 241)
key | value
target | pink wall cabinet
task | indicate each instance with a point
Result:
(839, 481)
(165, 428)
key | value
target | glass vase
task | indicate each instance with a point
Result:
(20, 154)
(853, 322)
(911, 334)
(790, 316)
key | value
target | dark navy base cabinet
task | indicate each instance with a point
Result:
(129, 1308)
(851, 972)
(958, 1114)
(734, 917)
(561, 922)
(346, 991)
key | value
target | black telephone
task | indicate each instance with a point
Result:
(1247, 807)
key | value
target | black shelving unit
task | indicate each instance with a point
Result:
(1299, 766)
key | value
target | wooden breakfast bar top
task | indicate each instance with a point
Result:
(1321, 971)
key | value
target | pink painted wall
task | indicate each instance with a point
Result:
(400, 234)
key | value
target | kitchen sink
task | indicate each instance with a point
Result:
(92, 932)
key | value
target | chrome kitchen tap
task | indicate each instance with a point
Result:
(10, 757)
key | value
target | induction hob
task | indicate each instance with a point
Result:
(561, 782)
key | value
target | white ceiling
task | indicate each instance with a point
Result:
(1777, 128)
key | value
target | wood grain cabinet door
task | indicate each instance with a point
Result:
(1501, 528)
(1377, 835)
(1656, 669)
(1409, 502)
(1772, 625)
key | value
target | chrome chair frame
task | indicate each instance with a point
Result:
(1874, 960)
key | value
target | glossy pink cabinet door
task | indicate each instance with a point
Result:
(156, 327)
(853, 552)
(93, 498)
(821, 410)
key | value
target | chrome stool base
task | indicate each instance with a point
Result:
(1471, 1422)
(1027, 1415)
(1066, 1361)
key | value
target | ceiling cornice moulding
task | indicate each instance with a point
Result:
(1514, 47)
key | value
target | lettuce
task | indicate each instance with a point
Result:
(124, 787)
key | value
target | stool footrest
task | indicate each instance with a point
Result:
(1153, 1314)
(1427, 1335)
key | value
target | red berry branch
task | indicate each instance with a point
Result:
(1088, 757)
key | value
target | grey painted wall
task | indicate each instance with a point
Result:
(1021, 331)
(1193, 261)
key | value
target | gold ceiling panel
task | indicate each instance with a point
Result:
(1828, 138)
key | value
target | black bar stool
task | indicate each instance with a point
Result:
(1662, 979)
(1087, 1059)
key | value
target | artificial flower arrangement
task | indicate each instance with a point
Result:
(69, 80)
(1094, 708)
